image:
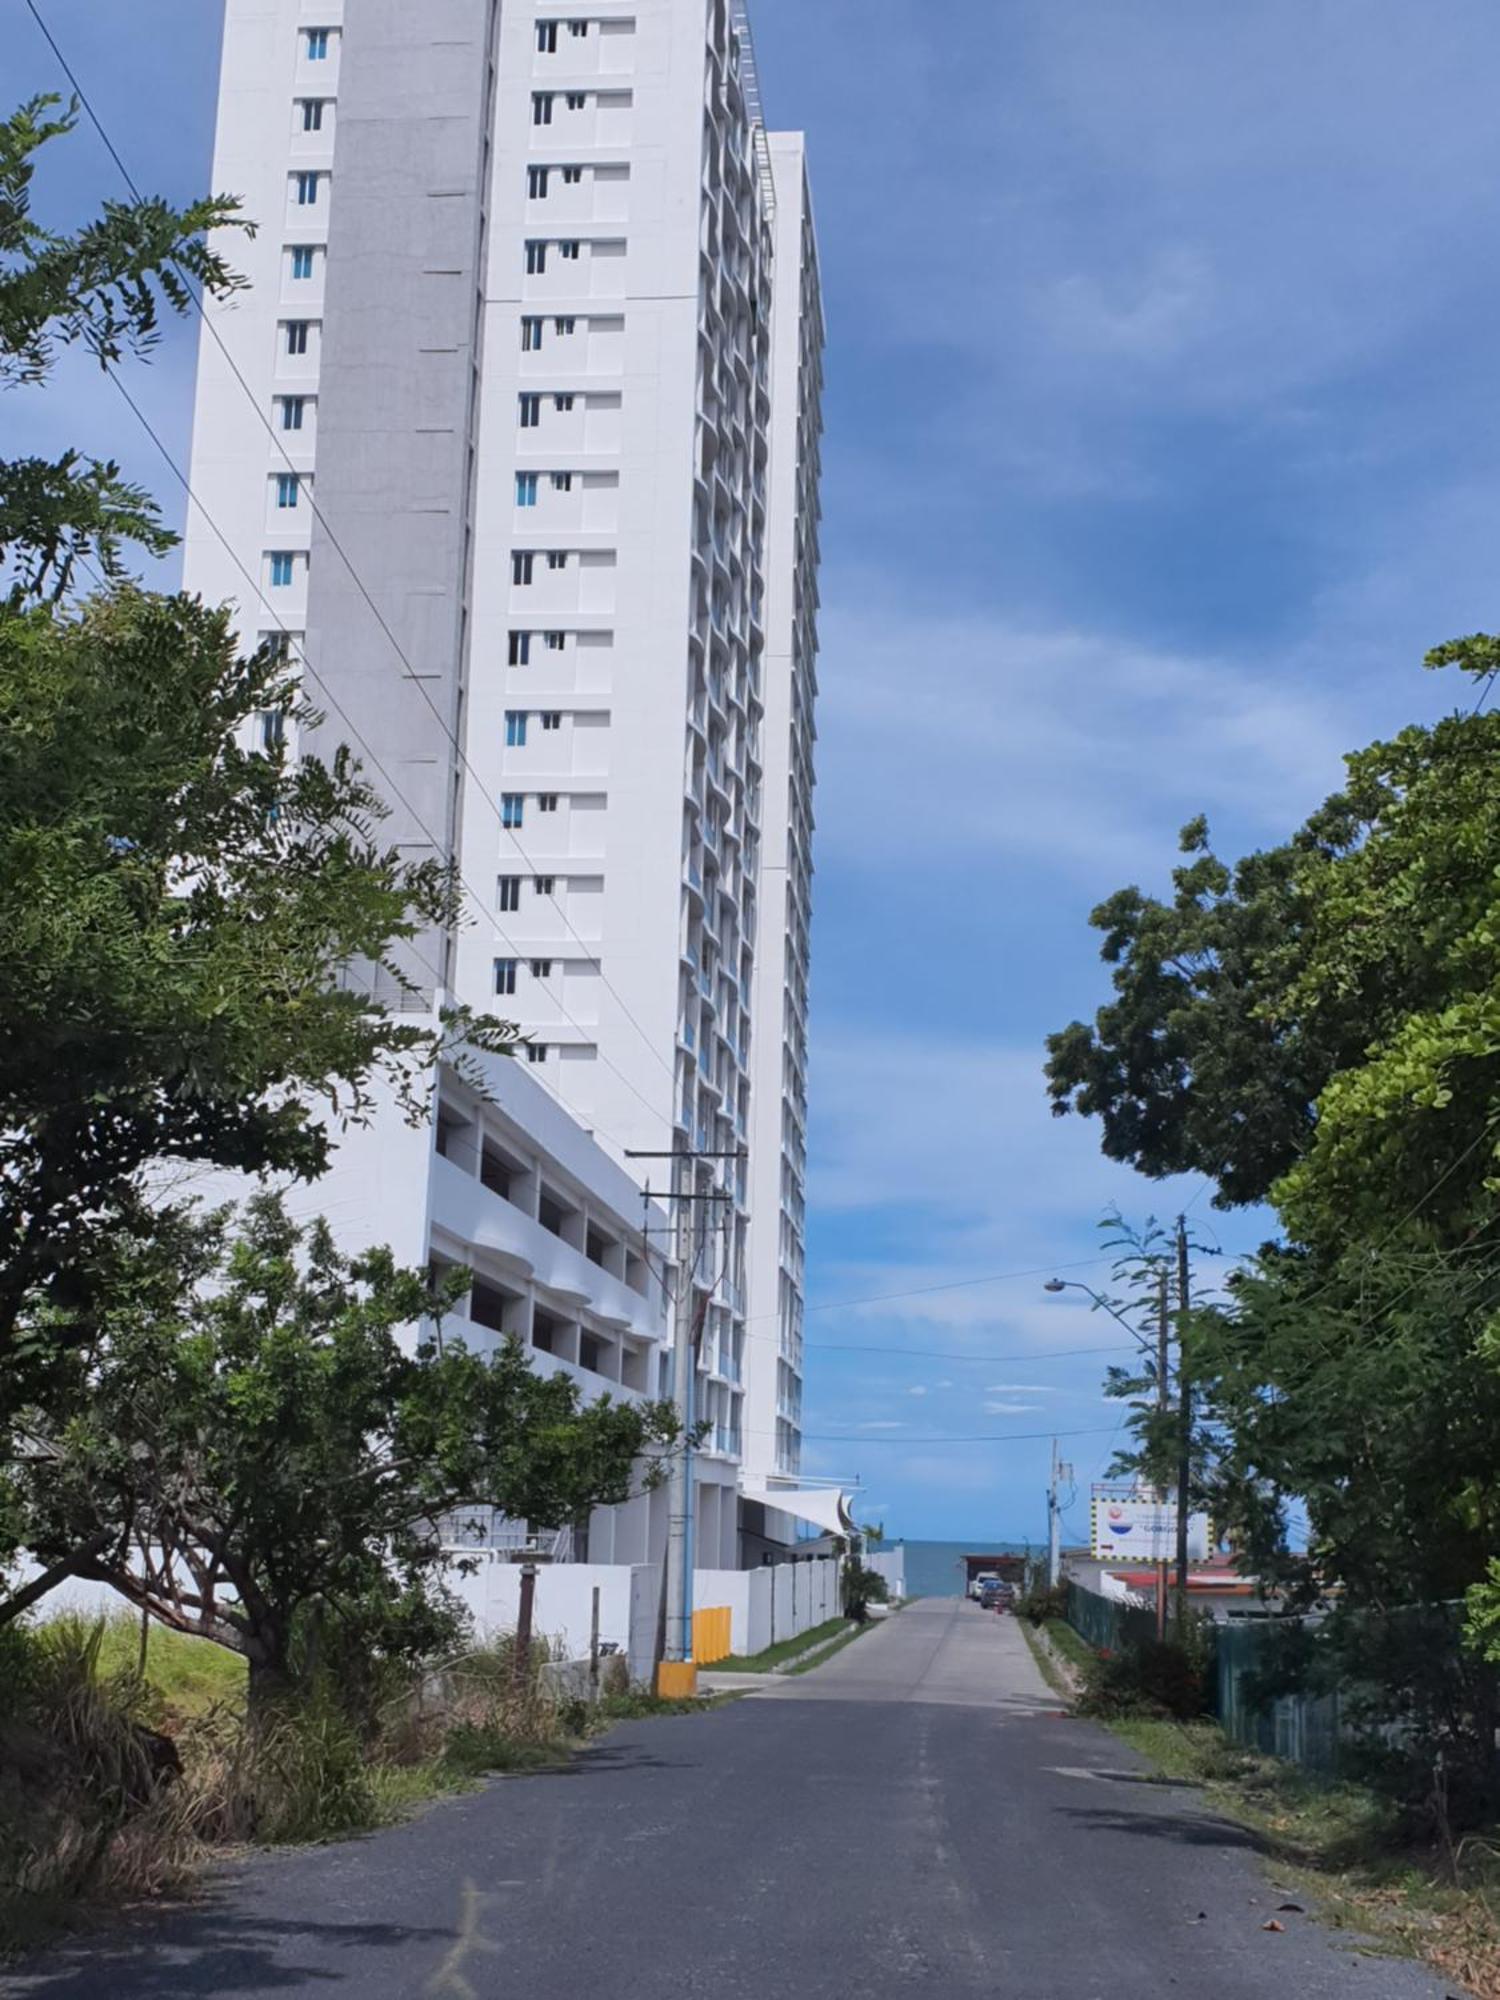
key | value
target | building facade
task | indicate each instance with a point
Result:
(513, 444)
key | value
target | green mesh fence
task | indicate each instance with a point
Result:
(1306, 1729)
(1108, 1626)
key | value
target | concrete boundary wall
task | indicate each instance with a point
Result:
(765, 1605)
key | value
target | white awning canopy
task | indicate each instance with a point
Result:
(825, 1507)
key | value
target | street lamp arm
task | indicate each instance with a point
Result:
(1075, 1285)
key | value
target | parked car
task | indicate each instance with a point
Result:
(977, 1584)
(1004, 1596)
(991, 1591)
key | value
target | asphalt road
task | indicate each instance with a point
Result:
(915, 1817)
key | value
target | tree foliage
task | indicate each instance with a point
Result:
(1319, 1027)
(179, 912)
(103, 287)
(263, 1441)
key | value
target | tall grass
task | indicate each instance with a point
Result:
(115, 1783)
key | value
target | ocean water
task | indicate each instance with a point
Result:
(936, 1569)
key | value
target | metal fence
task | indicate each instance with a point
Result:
(1313, 1729)
(1106, 1624)
(1304, 1728)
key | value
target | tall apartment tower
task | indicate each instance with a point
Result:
(515, 437)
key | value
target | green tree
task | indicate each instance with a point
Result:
(103, 287)
(257, 1449)
(1319, 1026)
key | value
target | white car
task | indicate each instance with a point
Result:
(977, 1583)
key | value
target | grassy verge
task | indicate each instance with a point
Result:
(1055, 1647)
(1342, 1843)
(825, 1653)
(784, 1649)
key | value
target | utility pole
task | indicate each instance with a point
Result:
(1054, 1528)
(1184, 1426)
(1060, 1472)
(1163, 1364)
(676, 1674)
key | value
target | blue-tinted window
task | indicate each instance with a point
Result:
(281, 569)
(531, 335)
(520, 649)
(302, 260)
(307, 189)
(505, 975)
(512, 808)
(530, 411)
(525, 489)
(312, 114)
(287, 484)
(515, 728)
(317, 44)
(291, 412)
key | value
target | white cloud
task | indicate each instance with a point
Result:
(1020, 1388)
(1059, 727)
(881, 1424)
(1009, 1409)
(916, 1390)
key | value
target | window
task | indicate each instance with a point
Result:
(302, 260)
(563, 402)
(536, 183)
(555, 641)
(512, 809)
(557, 558)
(541, 968)
(508, 895)
(296, 336)
(520, 565)
(278, 645)
(562, 482)
(287, 484)
(525, 489)
(546, 802)
(543, 884)
(551, 718)
(505, 975)
(541, 107)
(546, 38)
(565, 326)
(307, 189)
(531, 335)
(317, 44)
(531, 411)
(312, 114)
(578, 28)
(572, 176)
(569, 250)
(272, 722)
(520, 649)
(536, 258)
(536, 1052)
(281, 569)
(515, 728)
(575, 100)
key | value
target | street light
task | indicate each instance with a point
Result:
(1073, 1285)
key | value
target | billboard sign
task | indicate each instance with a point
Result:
(1135, 1527)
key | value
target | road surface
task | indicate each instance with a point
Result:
(915, 1817)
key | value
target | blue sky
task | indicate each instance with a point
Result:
(1162, 415)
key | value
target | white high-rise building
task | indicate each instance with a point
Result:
(516, 435)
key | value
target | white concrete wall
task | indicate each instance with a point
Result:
(780, 1601)
(891, 1564)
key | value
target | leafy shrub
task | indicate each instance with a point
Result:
(862, 1588)
(1155, 1677)
(1042, 1600)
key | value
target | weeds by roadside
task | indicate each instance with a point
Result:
(117, 1785)
(1343, 1844)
